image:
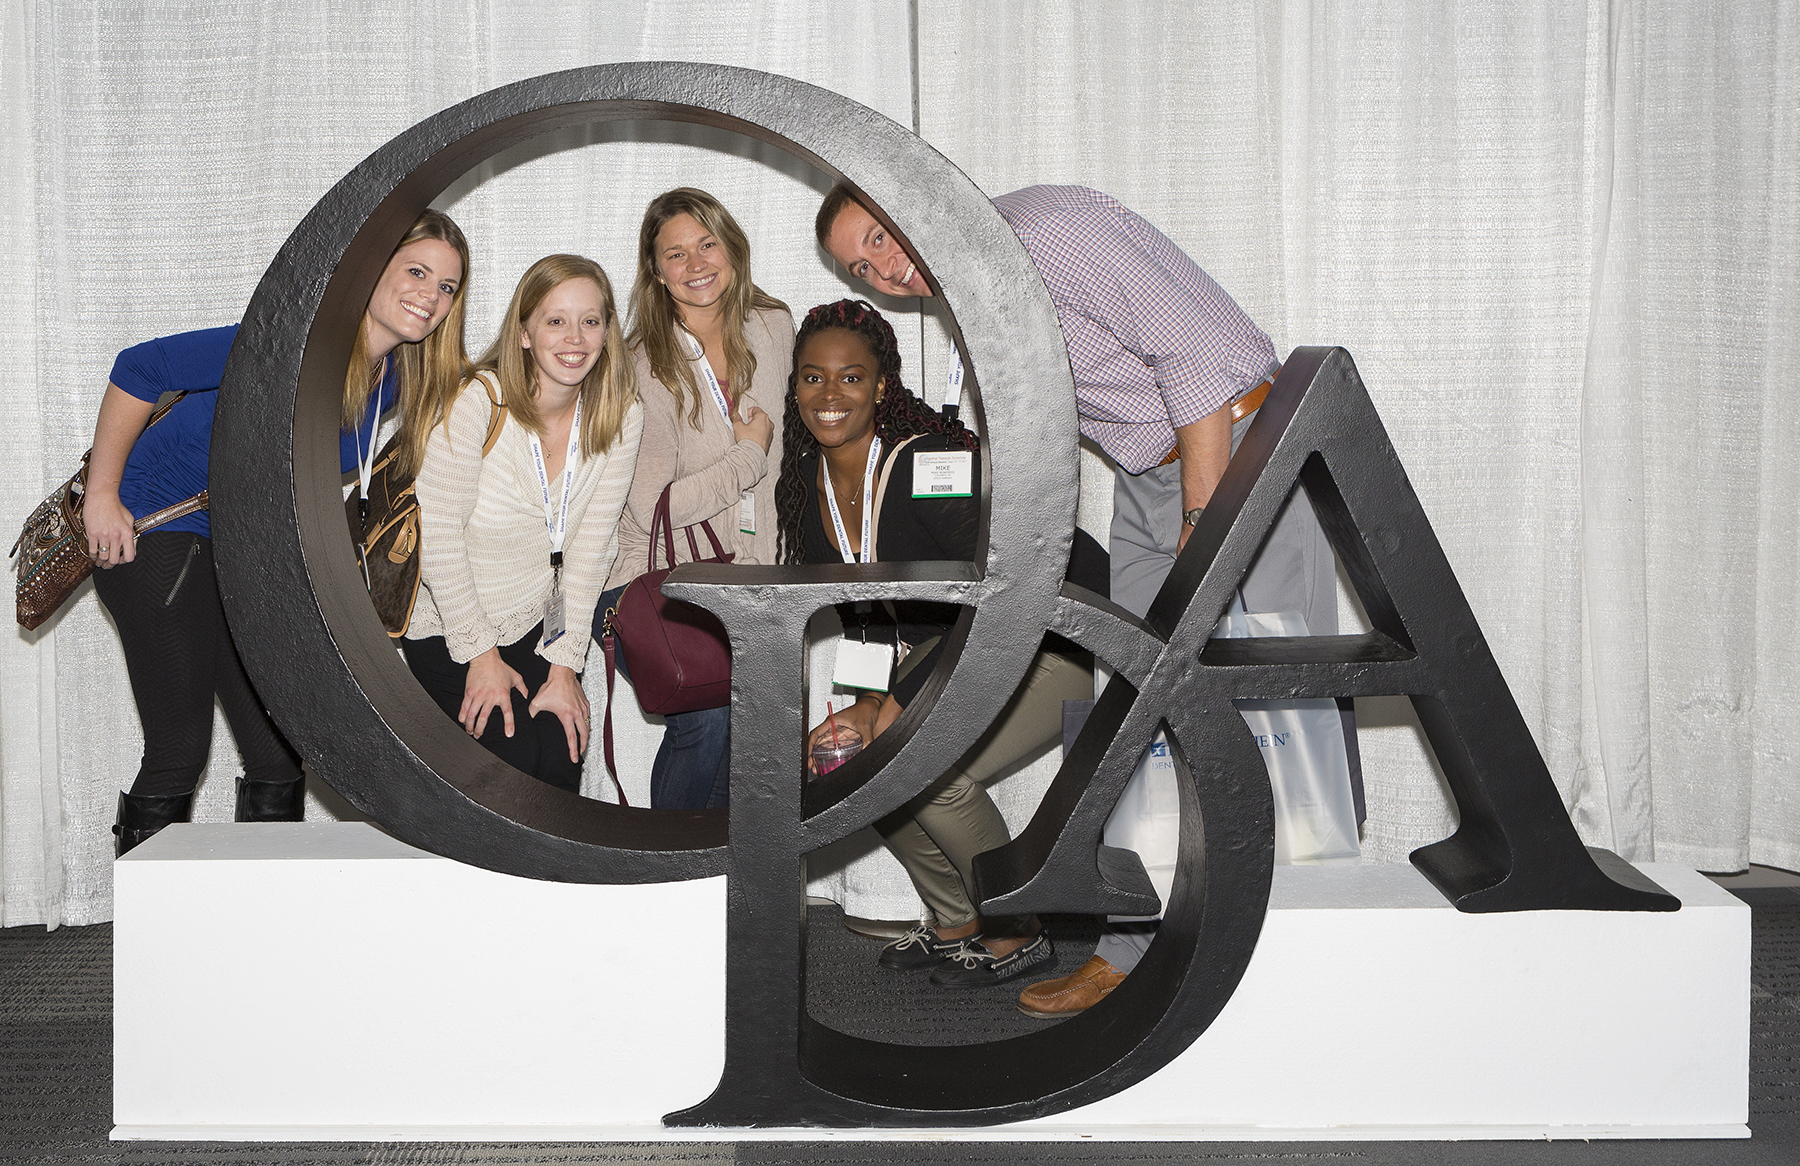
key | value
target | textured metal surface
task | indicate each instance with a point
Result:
(320, 659)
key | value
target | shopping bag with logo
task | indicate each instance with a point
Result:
(1302, 744)
(1147, 818)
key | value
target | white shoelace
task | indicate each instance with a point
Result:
(921, 935)
(974, 954)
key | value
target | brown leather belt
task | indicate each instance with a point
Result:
(1241, 408)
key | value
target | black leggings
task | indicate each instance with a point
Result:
(179, 655)
(539, 745)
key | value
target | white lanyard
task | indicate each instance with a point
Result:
(953, 394)
(365, 461)
(837, 520)
(558, 523)
(712, 381)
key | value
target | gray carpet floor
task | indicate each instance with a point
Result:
(56, 1074)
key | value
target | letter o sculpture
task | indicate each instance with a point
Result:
(331, 678)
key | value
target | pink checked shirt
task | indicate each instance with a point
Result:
(1153, 341)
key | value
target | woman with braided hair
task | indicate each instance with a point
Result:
(861, 448)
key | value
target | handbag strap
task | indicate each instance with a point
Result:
(718, 555)
(170, 513)
(609, 649)
(162, 410)
(662, 525)
(496, 415)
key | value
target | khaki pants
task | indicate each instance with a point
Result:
(937, 835)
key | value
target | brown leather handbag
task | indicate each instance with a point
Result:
(52, 548)
(386, 532)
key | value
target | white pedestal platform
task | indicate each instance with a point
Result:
(321, 981)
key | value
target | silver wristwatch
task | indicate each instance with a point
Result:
(1192, 517)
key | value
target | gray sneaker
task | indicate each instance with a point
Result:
(977, 967)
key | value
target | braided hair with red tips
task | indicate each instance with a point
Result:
(898, 415)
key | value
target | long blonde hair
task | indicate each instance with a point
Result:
(655, 321)
(430, 371)
(609, 389)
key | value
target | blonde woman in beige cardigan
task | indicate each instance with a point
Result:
(516, 538)
(713, 352)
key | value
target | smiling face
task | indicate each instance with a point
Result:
(869, 253)
(413, 295)
(566, 333)
(836, 386)
(691, 263)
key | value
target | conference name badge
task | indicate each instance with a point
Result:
(555, 622)
(863, 665)
(943, 475)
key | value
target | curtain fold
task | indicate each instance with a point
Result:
(31, 834)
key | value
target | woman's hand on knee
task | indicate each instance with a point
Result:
(562, 695)
(490, 684)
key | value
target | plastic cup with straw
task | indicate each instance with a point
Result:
(843, 744)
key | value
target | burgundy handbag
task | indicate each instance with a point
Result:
(679, 658)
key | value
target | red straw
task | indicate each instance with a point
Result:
(832, 717)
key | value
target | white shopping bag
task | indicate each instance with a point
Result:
(1302, 744)
(1147, 818)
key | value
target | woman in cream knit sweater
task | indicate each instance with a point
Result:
(713, 353)
(516, 538)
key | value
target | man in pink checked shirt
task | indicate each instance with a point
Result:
(1168, 371)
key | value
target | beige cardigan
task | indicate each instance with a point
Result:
(708, 466)
(484, 560)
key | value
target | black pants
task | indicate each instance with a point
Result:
(179, 655)
(538, 746)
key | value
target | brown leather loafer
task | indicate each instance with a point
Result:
(1077, 992)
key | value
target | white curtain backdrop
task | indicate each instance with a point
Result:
(1558, 237)
(1560, 241)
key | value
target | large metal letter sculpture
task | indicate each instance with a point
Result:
(329, 674)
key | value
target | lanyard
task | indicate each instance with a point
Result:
(558, 524)
(365, 461)
(953, 394)
(837, 520)
(712, 381)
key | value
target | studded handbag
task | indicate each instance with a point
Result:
(51, 551)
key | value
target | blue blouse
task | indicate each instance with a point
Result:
(169, 462)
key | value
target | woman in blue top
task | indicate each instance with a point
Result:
(159, 587)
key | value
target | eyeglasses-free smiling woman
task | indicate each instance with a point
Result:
(858, 445)
(159, 587)
(516, 539)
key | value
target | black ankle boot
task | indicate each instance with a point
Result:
(271, 801)
(141, 816)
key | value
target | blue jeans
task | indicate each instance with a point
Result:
(692, 770)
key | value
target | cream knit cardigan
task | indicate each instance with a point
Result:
(484, 563)
(708, 466)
